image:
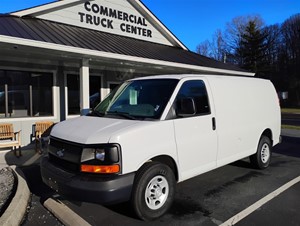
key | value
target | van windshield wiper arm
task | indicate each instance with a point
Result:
(96, 113)
(122, 114)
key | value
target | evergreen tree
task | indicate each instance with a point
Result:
(252, 48)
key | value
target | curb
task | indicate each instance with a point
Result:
(16, 210)
(63, 213)
(290, 133)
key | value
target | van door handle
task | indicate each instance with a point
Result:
(214, 123)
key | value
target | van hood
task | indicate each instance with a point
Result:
(90, 130)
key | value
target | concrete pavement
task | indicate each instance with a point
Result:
(14, 203)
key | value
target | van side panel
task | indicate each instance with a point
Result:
(245, 107)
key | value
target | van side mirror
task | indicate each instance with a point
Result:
(186, 107)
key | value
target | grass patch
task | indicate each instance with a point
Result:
(290, 127)
(290, 110)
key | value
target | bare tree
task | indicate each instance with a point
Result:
(214, 49)
(291, 34)
(273, 43)
(218, 46)
(291, 53)
(203, 48)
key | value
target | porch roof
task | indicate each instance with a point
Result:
(47, 32)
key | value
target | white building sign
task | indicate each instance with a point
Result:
(115, 16)
(103, 16)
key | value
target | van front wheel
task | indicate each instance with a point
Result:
(153, 191)
(261, 159)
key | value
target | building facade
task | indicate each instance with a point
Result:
(60, 59)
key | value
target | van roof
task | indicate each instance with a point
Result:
(181, 76)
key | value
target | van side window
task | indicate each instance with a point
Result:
(195, 90)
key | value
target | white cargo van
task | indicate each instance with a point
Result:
(153, 132)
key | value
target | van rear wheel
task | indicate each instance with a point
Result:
(153, 191)
(261, 159)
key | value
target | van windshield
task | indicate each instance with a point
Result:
(137, 99)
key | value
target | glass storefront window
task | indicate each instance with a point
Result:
(25, 94)
(42, 94)
(73, 84)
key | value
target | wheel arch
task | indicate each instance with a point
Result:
(169, 161)
(268, 133)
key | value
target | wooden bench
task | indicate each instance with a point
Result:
(42, 133)
(9, 138)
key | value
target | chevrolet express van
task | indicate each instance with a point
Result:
(153, 132)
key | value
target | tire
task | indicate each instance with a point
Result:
(153, 191)
(261, 159)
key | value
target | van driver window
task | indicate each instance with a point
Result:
(196, 90)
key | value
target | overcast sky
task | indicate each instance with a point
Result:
(194, 21)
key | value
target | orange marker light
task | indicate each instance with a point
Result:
(100, 169)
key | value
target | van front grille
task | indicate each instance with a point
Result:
(63, 164)
(66, 155)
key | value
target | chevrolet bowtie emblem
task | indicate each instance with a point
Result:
(60, 153)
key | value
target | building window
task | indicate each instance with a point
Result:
(25, 94)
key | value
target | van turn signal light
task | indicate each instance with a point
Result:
(100, 169)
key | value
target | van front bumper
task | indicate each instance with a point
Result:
(90, 188)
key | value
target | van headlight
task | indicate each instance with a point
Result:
(100, 154)
(101, 159)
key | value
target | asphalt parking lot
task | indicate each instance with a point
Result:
(209, 199)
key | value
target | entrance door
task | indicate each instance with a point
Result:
(95, 94)
(195, 135)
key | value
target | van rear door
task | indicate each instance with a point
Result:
(195, 133)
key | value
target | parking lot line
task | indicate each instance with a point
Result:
(33, 159)
(233, 220)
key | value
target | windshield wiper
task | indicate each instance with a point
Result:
(96, 113)
(122, 114)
